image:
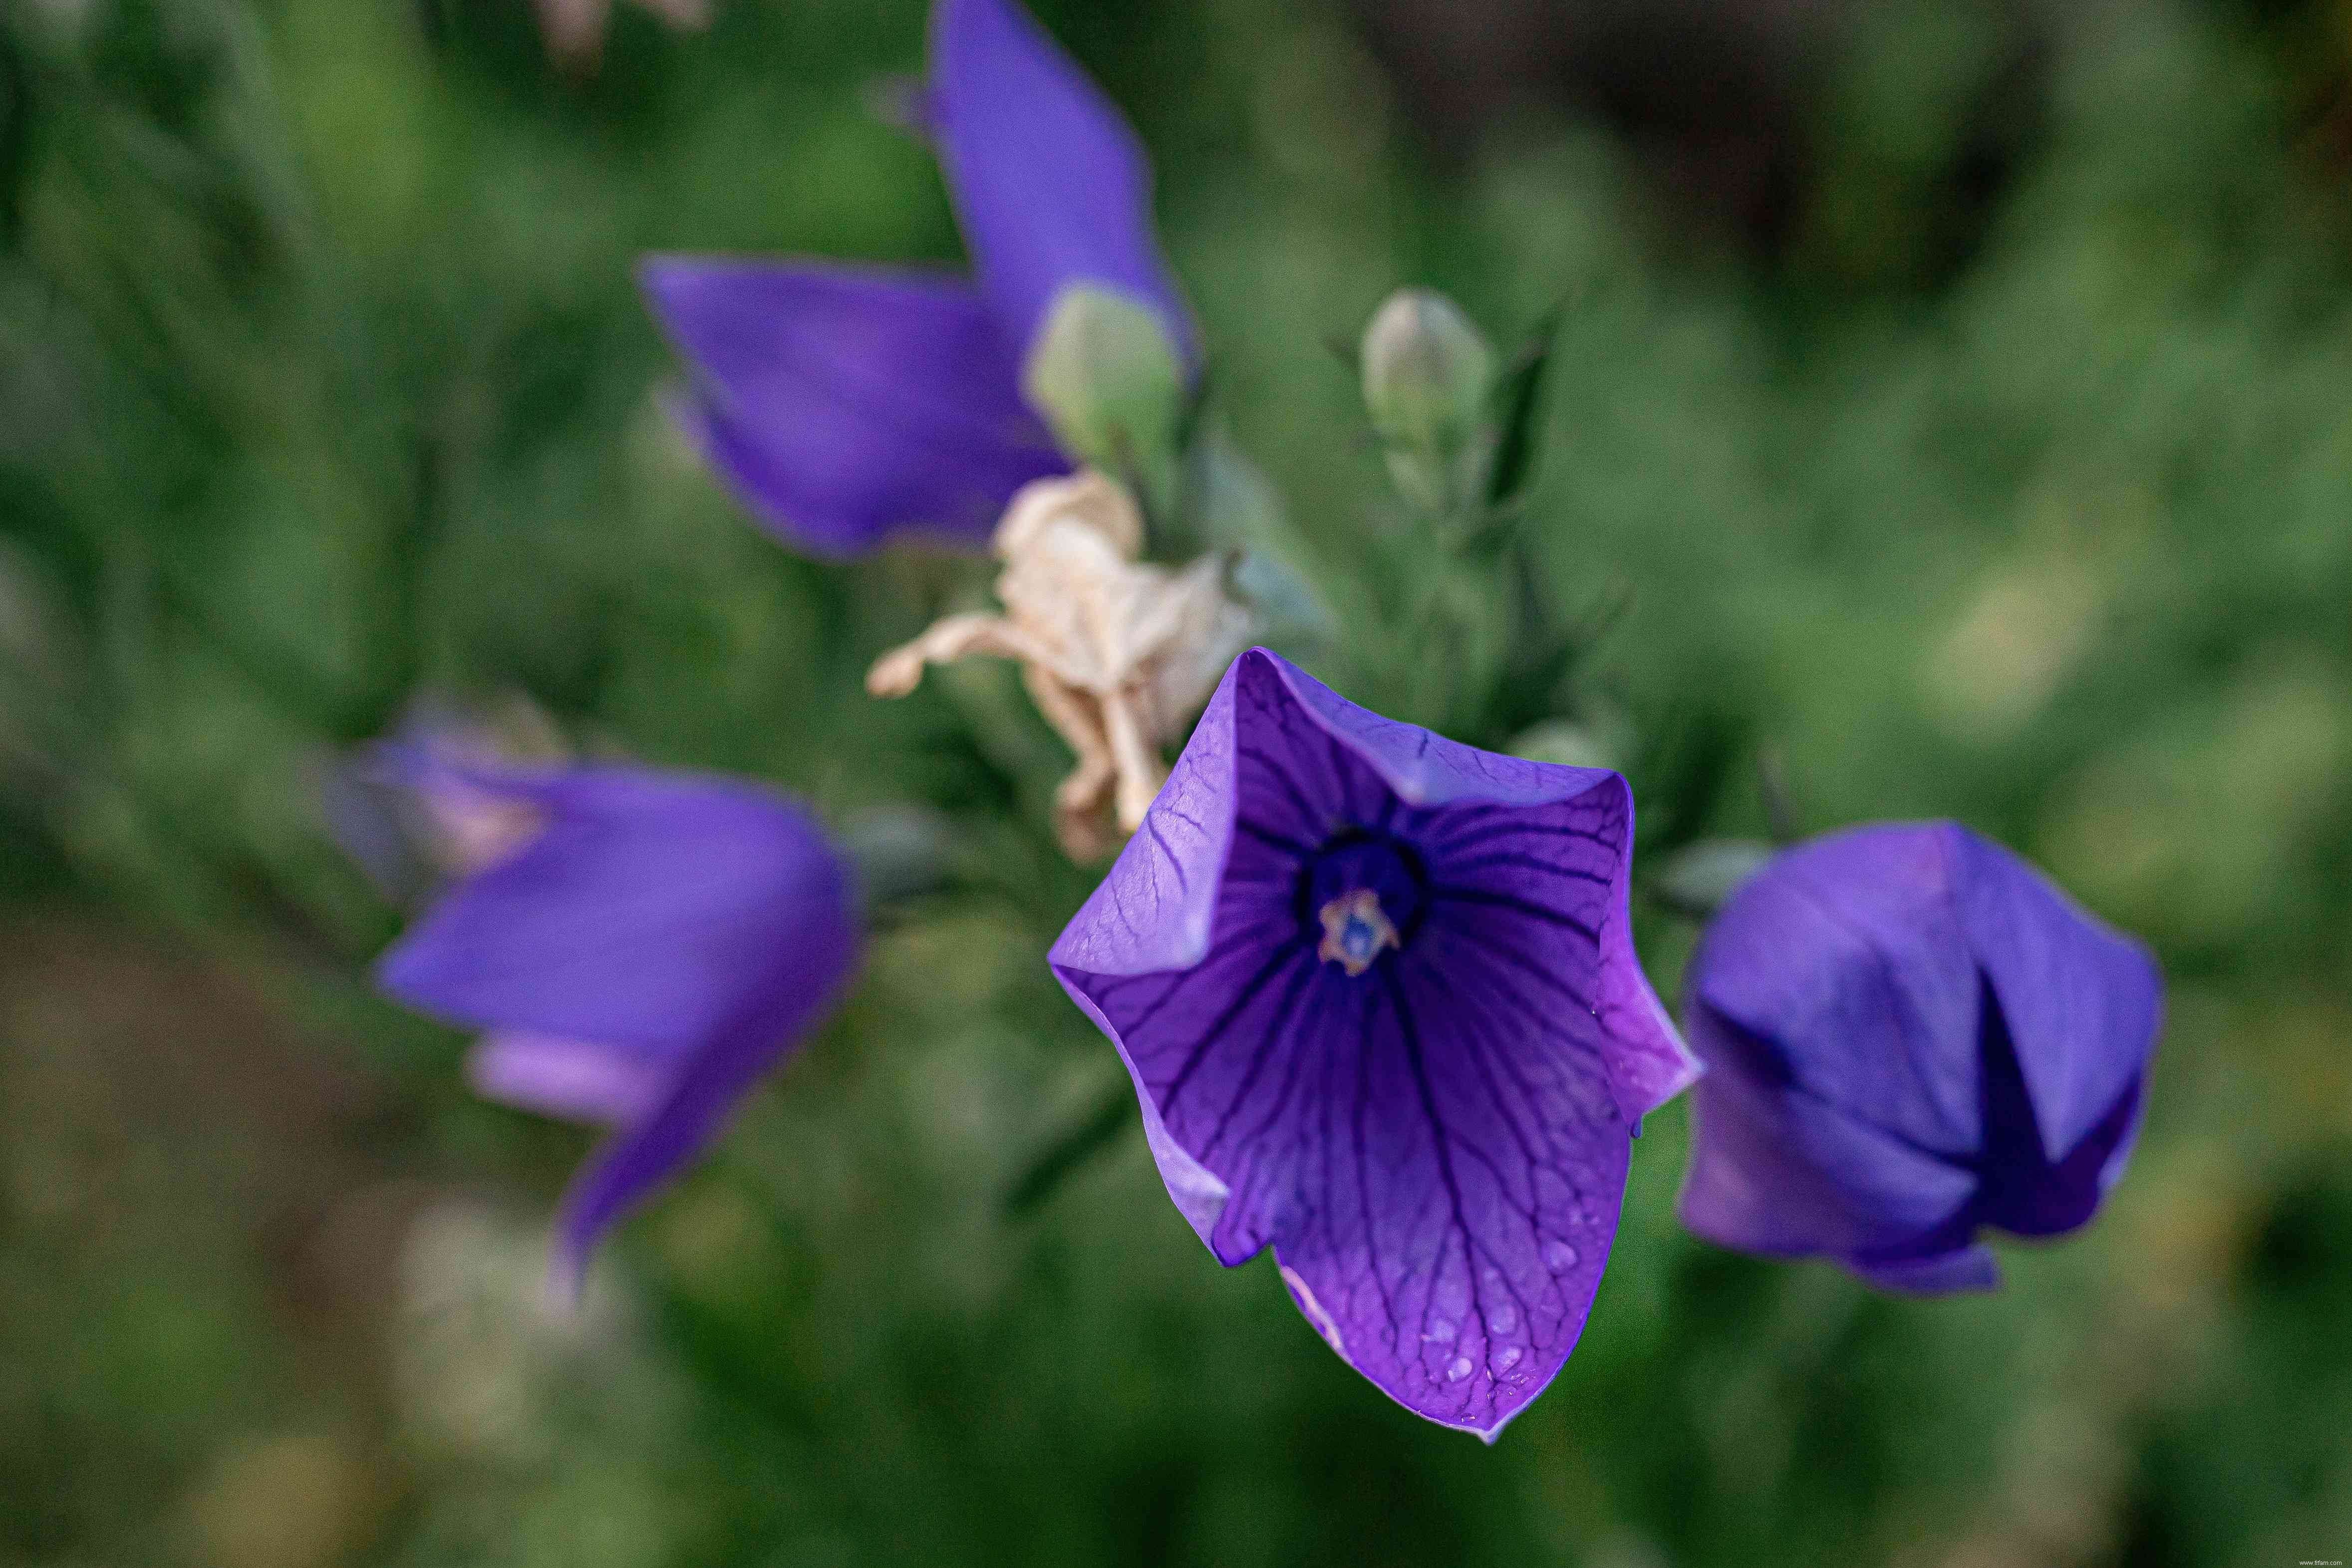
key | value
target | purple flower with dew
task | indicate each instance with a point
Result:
(843, 404)
(1912, 1037)
(1379, 1001)
(638, 948)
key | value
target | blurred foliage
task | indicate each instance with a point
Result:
(2008, 482)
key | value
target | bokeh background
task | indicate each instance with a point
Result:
(1950, 405)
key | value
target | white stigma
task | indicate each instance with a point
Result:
(1355, 929)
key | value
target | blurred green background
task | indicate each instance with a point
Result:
(1954, 395)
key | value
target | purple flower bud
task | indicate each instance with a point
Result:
(1911, 1036)
(844, 405)
(637, 958)
(1379, 1001)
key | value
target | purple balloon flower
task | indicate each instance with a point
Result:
(1911, 1036)
(638, 946)
(1379, 1001)
(843, 404)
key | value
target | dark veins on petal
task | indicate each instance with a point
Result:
(1429, 1141)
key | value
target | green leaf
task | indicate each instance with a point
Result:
(1519, 405)
(16, 136)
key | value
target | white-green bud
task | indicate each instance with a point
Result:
(1427, 371)
(1104, 374)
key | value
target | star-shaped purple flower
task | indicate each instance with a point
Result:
(1911, 1037)
(843, 404)
(1380, 1004)
(638, 946)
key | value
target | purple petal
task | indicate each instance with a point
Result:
(576, 1080)
(2023, 1189)
(2082, 1003)
(646, 914)
(1970, 1268)
(844, 405)
(1852, 945)
(1049, 184)
(694, 927)
(1435, 1146)
(1753, 1183)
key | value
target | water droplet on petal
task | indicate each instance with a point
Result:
(1459, 1370)
(1441, 1332)
(1502, 1319)
(1509, 1359)
(1558, 1256)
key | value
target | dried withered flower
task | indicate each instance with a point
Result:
(1117, 653)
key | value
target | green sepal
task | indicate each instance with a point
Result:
(1518, 408)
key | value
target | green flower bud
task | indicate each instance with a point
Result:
(1427, 371)
(1107, 377)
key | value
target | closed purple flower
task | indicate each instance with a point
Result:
(844, 402)
(638, 946)
(1911, 1037)
(1379, 1001)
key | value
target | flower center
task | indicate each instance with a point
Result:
(1365, 891)
(1355, 929)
